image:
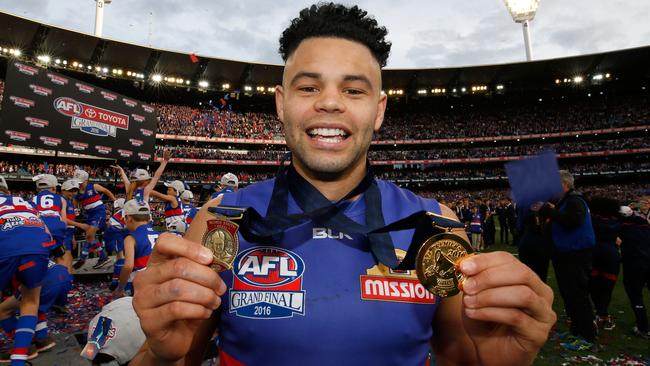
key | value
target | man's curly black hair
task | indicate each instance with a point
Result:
(339, 21)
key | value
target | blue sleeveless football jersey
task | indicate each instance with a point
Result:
(173, 215)
(22, 231)
(145, 238)
(49, 207)
(318, 297)
(89, 199)
(138, 194)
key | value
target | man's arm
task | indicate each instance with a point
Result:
(125, 179)
(505, 310)
(156, 176)
(165, 197)
(129, 255)
(176, 296)
(101, 189)
(572, 216)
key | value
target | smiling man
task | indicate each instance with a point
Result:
(318, 296)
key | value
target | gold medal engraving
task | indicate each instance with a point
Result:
(436, 263)
(221, 238)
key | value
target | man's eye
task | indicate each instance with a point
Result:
(353, 91)
(307, 89)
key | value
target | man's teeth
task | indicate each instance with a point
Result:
(327, 132)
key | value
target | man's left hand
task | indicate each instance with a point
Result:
(507, 309)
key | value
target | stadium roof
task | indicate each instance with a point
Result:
(34, 39)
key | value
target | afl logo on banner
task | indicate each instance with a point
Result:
(146, 132)
(56, 79)
(51, 141)
(18, 136)
(267, 284)
(147, 108)
(90, 119)
(144, 156)
(37, 122)
(27, 70)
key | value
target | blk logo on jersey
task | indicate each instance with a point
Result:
(383, 284)
(267, 284)
(324, 233)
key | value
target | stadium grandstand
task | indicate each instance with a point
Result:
(447, 134)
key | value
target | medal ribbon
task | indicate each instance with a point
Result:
(319, 209)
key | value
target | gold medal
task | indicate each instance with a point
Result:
(221, 238)
(436, 263)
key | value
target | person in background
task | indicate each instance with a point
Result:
(567, 224)
(89, 198)
(476, 230)
(24, 248)
(114, 237)
(69, 189)
(606, 257)
(173, 205)
(188, 207)
(141, 183)
(229, 183)
(635, 258)
(54, 291)
(137, 245)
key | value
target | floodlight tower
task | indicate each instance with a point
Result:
(99, 16)
(523, 11)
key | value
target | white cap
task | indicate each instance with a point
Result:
(80, 175)
(119, 203)
(115, 332)
(140, 175)
(70, 184)
(177, 185)
(177, 226)
(626, 211)
(230, 180)
(3, 183)
(135, 207)
(45, 181)
(187, 195)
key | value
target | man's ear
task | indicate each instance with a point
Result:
(381, 110)
(279, 102)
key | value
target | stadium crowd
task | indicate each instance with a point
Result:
(190, 151)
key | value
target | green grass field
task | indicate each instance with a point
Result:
(612, 343)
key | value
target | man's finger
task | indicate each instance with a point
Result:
(180, 268)
(526, 327)
(172, 246)
(184, 291)
(502, 273)
(519, 296)
(162, 317)
(474, 264)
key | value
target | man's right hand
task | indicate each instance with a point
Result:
(174, 295)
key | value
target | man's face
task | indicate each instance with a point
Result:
(330, 103)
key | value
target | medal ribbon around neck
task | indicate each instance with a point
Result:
(317, 208)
